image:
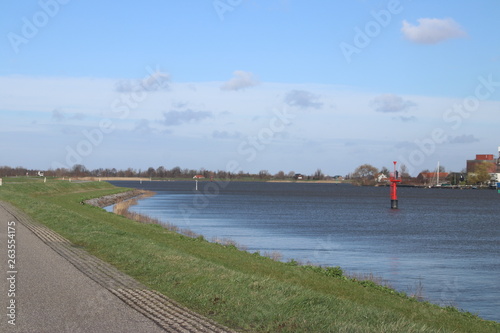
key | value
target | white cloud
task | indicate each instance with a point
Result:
(58, 115)
(303, 99)
(240, 80)
(391, 103)
(174, 118)
(432, 30)
(153, 82)
(462, 139)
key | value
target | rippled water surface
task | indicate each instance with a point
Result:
(447, 241)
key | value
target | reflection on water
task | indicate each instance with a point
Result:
(446, 240)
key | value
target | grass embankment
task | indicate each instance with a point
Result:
(247, 292)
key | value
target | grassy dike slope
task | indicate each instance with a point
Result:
(244, 291)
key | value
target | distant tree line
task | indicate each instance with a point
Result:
(80, 170)
(367, 174)
(6, 171)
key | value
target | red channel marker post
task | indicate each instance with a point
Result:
(394, 188)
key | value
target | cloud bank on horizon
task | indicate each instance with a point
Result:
(267, 87)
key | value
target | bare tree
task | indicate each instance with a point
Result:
(280, 175)
(404, 171)
(161, 172)
(79, 170)
(385, 171)
(151, 172)
(129, 172)
(318, 175)
(264, 174)
(175, 172)
(365, 174)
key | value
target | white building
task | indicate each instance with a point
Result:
(495, 177)
(382, 178)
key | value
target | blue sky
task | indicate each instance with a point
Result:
(248, 85)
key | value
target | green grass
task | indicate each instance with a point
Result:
(244, 291)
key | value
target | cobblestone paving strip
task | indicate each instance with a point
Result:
(169, 315)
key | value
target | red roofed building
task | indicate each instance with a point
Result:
(432, 177)
(482, 158)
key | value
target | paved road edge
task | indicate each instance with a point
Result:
(166, 313)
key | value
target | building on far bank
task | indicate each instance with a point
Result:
(495, 177)
(482, 158)
(381, 178)
(432, 178)
(492, 166)
(498, 161)
(298, 176)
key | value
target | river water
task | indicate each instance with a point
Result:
(444, 244)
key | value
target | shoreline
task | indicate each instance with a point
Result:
(112, 199)
(145, 179)
(123, 201)
(291, 181)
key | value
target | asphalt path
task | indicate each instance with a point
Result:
(53, 286)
